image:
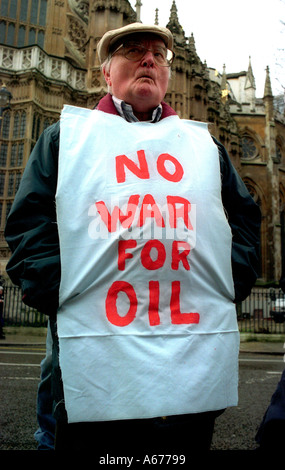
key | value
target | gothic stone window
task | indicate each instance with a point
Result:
(6, 125)
(249, 148)
(23, 22)
(279, 150)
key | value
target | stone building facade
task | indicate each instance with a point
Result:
(48, 59)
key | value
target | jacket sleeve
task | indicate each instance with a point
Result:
(244, 218)
(31, 229)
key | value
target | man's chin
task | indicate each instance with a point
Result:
(146, 90)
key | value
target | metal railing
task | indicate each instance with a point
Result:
(255, 314)
(16, 313)
(263, 311)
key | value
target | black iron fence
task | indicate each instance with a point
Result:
(262, 312)
(16, 313)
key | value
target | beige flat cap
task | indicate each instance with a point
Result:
(114, 35)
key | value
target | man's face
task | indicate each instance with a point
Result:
(141, 83)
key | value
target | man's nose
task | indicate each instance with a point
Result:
(148, 59)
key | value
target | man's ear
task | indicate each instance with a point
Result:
(107, 76)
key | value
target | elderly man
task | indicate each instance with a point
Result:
(134, 233)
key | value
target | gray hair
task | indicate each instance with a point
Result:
(106, 66)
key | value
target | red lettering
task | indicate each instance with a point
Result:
(178, 318)
(123, 245)
(154, 211)
(178, 173)
(182, 211)
(111, 220)
(178, 207)
(146, 259)
(178, 256)
(153, 314)
(111, 303)
(140, 171)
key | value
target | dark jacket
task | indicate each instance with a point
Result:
(31, 230)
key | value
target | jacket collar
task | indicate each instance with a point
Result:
(106, 105)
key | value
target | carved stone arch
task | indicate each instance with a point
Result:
(198, 91)
(255, 191)
(180, 64)
(253, 134)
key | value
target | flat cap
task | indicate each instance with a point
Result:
(111, 37)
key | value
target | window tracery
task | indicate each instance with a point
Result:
(249, 148)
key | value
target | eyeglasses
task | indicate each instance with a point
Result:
(135, 52)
